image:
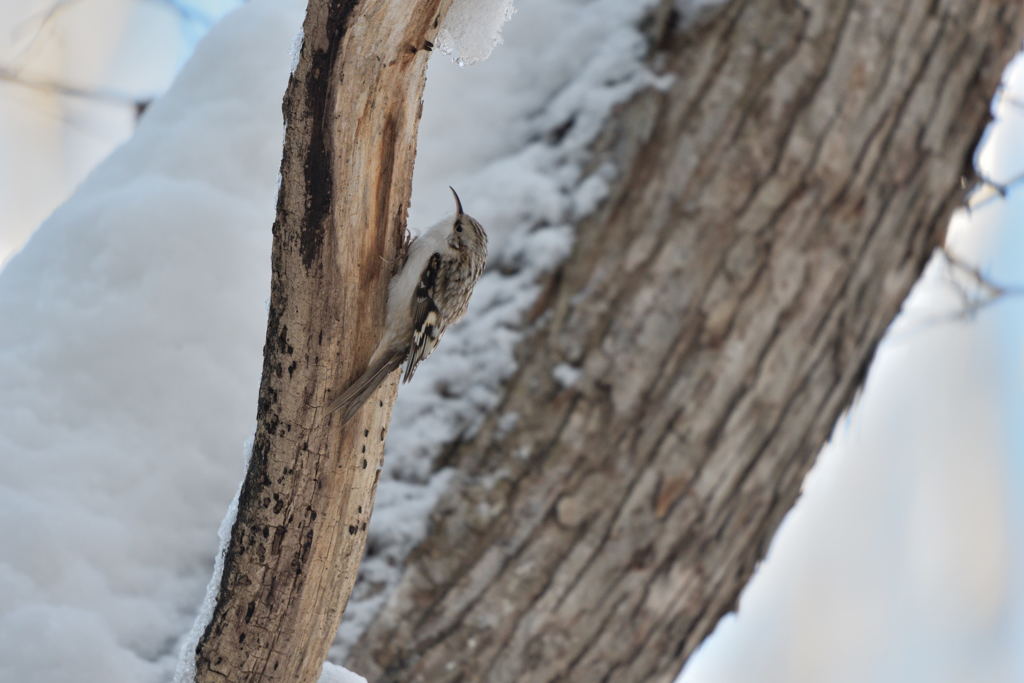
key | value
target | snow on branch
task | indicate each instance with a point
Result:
(472, 29)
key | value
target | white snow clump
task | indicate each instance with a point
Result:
(472, 29)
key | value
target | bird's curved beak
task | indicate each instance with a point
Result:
(458, 202)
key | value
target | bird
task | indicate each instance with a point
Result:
(430, 292)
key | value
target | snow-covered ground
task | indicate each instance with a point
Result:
(130, 348)
(133, 323)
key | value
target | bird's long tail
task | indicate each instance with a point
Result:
(352, 398)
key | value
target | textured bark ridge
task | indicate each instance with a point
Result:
(774, 208)
(351, 111)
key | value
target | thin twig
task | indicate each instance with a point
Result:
(972, 303)
(1012, 100)
(96, 94)
(1000, 190)
(991, 289)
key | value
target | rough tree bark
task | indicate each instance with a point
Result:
(351, 111)
(774, 208)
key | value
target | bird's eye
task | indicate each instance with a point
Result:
(458, 227)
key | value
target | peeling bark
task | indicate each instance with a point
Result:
(351, 111)
(775, 206)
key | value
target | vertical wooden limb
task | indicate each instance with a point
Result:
(351, 112)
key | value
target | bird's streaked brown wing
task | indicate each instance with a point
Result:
(426, 318)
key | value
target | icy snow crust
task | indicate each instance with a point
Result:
(134, 319)
(185, 672)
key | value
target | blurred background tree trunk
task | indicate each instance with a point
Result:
(774, 206)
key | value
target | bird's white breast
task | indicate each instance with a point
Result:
(403, 285)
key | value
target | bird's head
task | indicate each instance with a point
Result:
(466, 231)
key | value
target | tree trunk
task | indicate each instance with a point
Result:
(774, 207)
(351, 111)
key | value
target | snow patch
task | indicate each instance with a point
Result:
(566, 375)
(507, 422)
(593, 190)
(186, 669)
(472, 29)
(295, 53)
(332, 673)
